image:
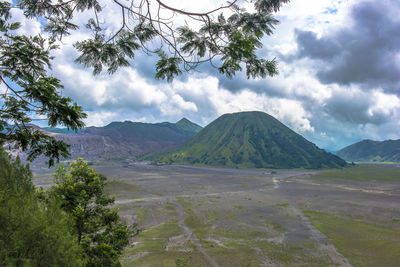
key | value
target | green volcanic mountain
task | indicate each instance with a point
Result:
(249, 139)
(372, 151)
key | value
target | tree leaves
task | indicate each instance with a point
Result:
(268, 5)
(33, 231)
(98, 53)
(96, 225)
(216, 41)
(228, 42)
(30, 92)
(167, 67)
(59, 27)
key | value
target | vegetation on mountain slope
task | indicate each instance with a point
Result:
(137, 131)
(372, 151)
(122, 140)
(249, 139)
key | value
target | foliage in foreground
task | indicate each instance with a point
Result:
(97, 226)
(32, 232)
(27, 92)
(69, 225)
(226, 36)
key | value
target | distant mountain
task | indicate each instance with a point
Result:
(186, 125)
(249, 139)
(59, 130)
(372, 151)
(120, 140)
(142, 132)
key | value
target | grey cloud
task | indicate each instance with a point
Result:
(362, 54)
(239, 82)
(145, 65)
(333, 134)
(354, 109)
(312, 47)
(365, 53)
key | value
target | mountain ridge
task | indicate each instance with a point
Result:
(120, 140)
(250, 140)
(372, 151)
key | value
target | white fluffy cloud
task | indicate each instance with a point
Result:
(386, 104)
(28, 26)
(331, 114)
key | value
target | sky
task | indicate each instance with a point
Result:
(338, 82)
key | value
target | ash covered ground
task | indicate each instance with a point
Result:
(204, 216)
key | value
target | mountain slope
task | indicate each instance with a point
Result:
(59, 130)
(250, 139)
(138, 131)
(187, 125)
(372, 151)
(119, 140)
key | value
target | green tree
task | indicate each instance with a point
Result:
(29, 93)
(32, 232)
(227, 36)
(97, 226)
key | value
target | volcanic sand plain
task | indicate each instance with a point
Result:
(205, 216)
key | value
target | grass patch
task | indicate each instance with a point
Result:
(283, 205)
(211, 216)
(170, 209)
(141, 214)
(114, 186)
(156, 239)
(239, 251)
(154, 242)
(232, 216)
(291, 255)
(207, 244)
(169, 259)
(275, 226)
(234, 254)
(278, 252)
(363, 244)
(240, 234)
(193, 221)
(362, 172)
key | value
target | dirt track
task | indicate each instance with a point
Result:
(250, 207)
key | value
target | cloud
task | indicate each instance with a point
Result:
(356, 107)
(351, 115)
(124, 89)
(217, 100)
(338, 82)
(365, 52)
(177, 106)
(28, 26)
